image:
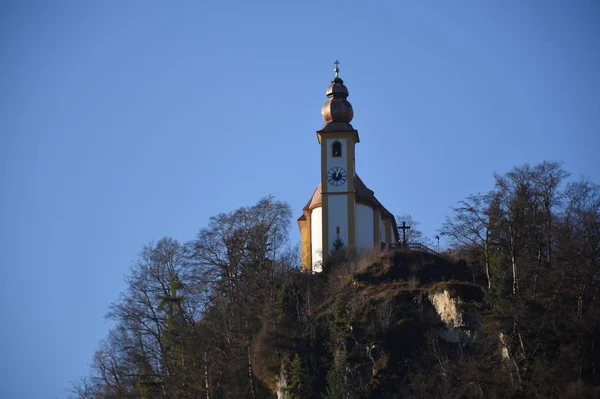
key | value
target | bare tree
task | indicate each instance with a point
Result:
(155, 321)
(238, 256)
(527, 198)
(470, 228)
(548, 177)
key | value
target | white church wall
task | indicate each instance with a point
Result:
(340, 162)
(316, 234)
(364, 226)
(338, 218)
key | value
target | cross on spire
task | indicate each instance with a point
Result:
(337, 69)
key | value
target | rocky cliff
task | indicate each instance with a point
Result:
(366, 330)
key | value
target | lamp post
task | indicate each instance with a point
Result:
(437, 238)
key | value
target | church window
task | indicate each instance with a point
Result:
(336, 149)
(337, 230)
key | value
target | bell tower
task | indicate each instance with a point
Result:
(337, 138)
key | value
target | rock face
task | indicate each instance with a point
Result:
(452, 313)
(282, 393)
(504, 345)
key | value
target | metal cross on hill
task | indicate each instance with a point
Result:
(404, 227)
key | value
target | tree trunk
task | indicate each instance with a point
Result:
(250, 377)
(206, 383)
(514, 273)
(580, 293)
(487, 260)
(513, 260)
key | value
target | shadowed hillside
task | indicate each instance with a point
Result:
(366, 334)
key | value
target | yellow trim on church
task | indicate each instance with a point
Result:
(351, 195)
(352, 134)
(324, 204)
(305, 243)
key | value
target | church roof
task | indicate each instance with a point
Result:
(315, 199)
(363, 195)
(367, 196)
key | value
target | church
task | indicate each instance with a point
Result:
(341, 210)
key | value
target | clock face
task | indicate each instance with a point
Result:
(336, 176)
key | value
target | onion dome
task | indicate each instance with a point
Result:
(337, 108)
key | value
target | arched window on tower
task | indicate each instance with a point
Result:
(336, 149)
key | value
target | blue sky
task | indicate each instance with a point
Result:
(122, 122)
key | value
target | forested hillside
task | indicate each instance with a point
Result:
(510, 310)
